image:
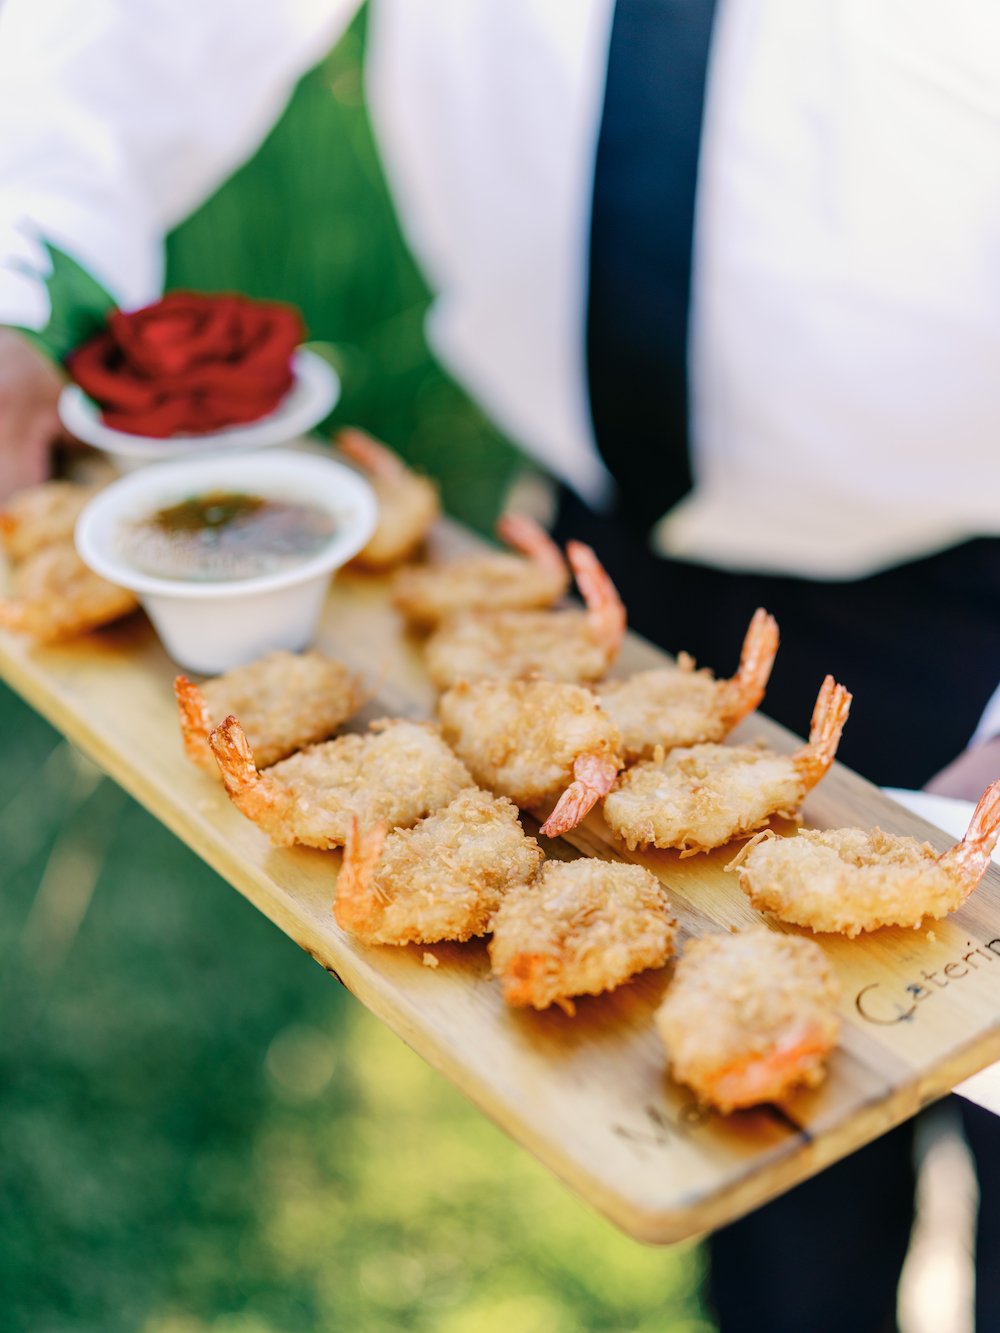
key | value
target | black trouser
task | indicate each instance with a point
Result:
(919, 646)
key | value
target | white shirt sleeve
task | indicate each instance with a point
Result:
(989, 723)
(118, 117)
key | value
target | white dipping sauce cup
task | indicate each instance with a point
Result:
(212, 626)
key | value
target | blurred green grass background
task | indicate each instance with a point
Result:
(201, 1132)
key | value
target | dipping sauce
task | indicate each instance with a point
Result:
(224, 536)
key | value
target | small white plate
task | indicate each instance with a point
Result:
(314, 392)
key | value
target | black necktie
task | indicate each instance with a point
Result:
(640, 248)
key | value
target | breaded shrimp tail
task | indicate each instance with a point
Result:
(749, 1017)
(234, 757)
(833, 704)
(605, 609)
(969, 858)
(408, 503)
(356, 902)
(525, 535)
(369, 454)
(746, 689)
(195, 720)
(257, 796)
(593, 777)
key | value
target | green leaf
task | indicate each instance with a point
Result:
(78, 306)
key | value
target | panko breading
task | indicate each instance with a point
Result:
(559, 645)
(284, 701)
(428, 594)
(506, 645)
(850, 880)
(42, 516)
(748, 1017)
(57, 597)
(442, 879)
(699, 797)
(408, 504)
(532, 740)
(582, 928)
(679, 705)
(399, 772)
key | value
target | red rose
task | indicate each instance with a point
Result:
(189, 363)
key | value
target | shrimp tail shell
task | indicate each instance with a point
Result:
(523, 534)
(522, 977)
(968, 860)
(257, 796)
(605, 609)
(196, 723)
(767, 1076)
(593, 777)
(13, 615)
(355, 900)
(746, 689)
(368, 453)
(814, 760)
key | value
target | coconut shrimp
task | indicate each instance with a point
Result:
(400, 772)
(560, 645)
(582, 928)
(850, 880)
(534, 740)
(408, 504)
(537, 577)
(440, 880)
(42, 516)
(749, 1017)
(57, 597)
(284, 701)
(679, 705)
(699, 797)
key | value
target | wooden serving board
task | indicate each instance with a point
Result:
(588, 1095)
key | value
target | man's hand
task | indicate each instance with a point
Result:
(29, 387)
(970, 774)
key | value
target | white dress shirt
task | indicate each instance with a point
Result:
(845, 322)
